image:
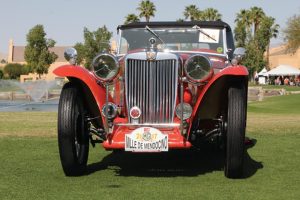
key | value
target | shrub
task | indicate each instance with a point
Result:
(1, 74)
(27, 69)
(13, 70)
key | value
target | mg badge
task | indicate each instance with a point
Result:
(151, 55)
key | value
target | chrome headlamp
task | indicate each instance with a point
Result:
(198, 68)
(105, 66)
(70, 55)
(187, 111)
(109, 110)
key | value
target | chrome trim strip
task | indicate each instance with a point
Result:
(192, 52)
(171, 125)
(225, 43)
(106, 127)
(201, 52)
(181, 107)
(160, 56)
(119, 42)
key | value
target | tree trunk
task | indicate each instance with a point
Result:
(268, 57)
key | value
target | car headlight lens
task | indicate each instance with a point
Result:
(198, 68)
(105, 66)
(187, 111)
(110, 109)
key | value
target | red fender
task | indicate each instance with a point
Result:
(228, 71)
(87, 77)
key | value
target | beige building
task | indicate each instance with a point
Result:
(16, 55)
(278, 56)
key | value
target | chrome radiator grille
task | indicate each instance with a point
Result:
(152, 86)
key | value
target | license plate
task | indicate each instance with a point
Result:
(146, 139)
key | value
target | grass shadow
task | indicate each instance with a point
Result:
(172, 164)
(250, 165)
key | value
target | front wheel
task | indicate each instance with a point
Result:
(235, 136)
(73, 139)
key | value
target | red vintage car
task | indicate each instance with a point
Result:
(168, 85)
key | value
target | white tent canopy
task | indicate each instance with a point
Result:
(284, 70)
(263, 72)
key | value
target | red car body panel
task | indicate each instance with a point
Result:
(88, 78)
(116, 139)
(228, 71)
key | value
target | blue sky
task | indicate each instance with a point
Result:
(64, 20)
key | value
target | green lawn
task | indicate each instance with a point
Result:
(286, 87)
(288, 105)
(30, 166)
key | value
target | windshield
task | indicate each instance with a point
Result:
(175, 39)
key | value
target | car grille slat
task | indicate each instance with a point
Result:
(152, 86)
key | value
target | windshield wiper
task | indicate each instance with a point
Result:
(153, 33)
(201, 31)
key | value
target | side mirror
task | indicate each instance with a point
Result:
(238, 55)
(71, 55)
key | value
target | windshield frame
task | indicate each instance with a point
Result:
(223, 32)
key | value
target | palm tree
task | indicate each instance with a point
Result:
(240, 34)
(147, 9)
(191, 12)
(242, 29)
(180, 20)
(244, 17)
(200, 16)
(131, 18)
(256, 16)
(273, 33)
(211, 14)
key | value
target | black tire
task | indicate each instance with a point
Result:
(235, 136)
(73, 139)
